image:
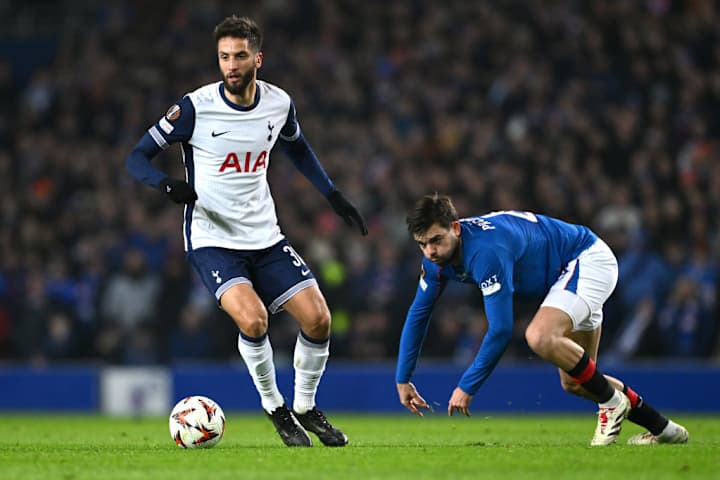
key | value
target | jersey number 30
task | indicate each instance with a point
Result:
(296, 259)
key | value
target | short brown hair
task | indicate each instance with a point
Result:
(429, 210)
(240, 27)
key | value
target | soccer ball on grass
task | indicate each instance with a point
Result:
(197, 422)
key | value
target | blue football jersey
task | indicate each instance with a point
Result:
(502, 253)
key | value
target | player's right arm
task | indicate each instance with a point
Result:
(430, 287)
(175, 126)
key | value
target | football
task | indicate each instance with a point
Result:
(197, 422)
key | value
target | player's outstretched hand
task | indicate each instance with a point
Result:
(178, 190)
(411, 398)
(459, 401)
(346, 210)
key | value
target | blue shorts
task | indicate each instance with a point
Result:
(276, 273)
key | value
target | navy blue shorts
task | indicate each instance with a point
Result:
(276, 273)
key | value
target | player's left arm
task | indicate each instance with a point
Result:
(296, 147)
(497, 290)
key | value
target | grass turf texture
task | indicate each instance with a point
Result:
(74, 447)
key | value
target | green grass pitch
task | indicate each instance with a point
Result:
(74, 447)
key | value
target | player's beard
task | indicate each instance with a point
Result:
(452, 257)
(239, 87)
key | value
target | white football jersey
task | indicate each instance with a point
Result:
(226, 152)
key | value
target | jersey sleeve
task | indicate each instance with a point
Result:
(176, 125)
(291, 130)
(296, 147)
(430, 286)
(497, 290)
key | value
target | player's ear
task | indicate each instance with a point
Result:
(456, 227)
(258, 59)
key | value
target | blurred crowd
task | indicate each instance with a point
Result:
(603, 113)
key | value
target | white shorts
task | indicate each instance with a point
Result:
(584, 286)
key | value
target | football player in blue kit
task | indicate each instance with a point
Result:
(513, 251)
(227, 130)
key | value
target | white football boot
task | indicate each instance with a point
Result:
(610, 422)
(673, 433)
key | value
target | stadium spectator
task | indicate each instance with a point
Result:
(686, 323)
(127, 306)
(62, 338)
(191, 340)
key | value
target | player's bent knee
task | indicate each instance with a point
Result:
(538, 341)
(251, 324)
(317, 325)
(253, 328)
(320, 325)
(324, 319)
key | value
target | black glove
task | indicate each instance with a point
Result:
(178, 190)
(346, 210)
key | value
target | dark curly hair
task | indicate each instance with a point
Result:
(240, 27)
(429, 210)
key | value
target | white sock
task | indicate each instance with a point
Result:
(258, 358)
(669, 430)
(309, 360)
(614, 400)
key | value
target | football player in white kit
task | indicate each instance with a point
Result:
(232, 238)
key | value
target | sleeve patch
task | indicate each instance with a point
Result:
(159, 140)
(166, 126)
(490, 286)
(173, 113)
(423, 284)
